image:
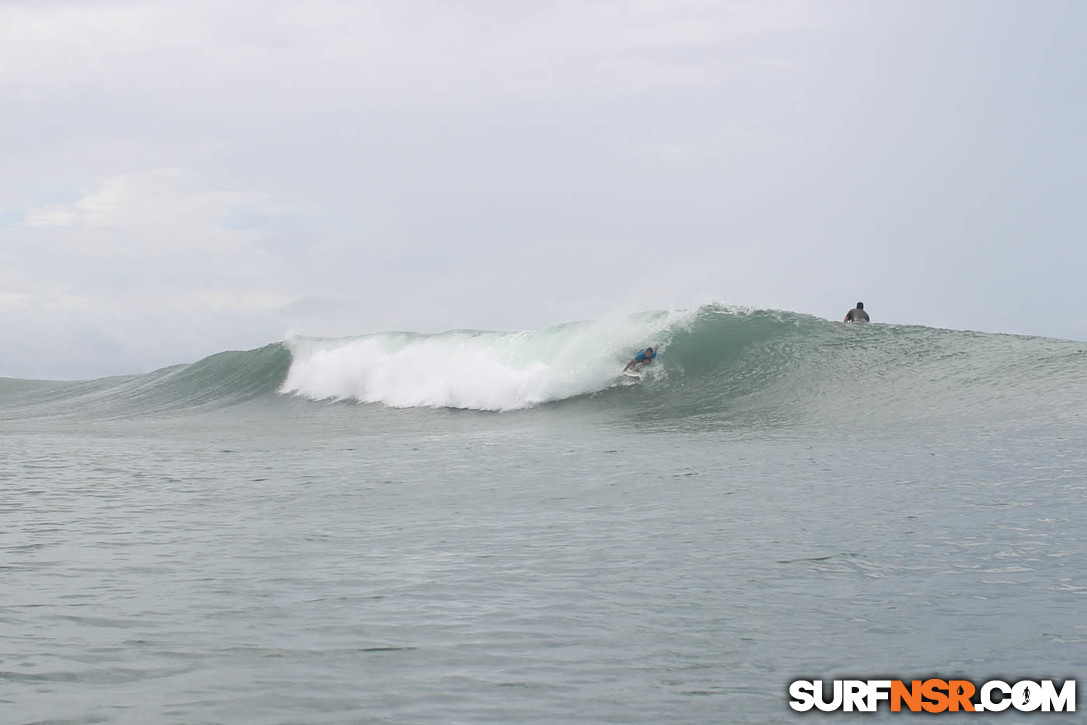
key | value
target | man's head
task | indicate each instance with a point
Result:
(860, 305)
(649, 351)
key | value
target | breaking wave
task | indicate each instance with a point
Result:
(715, 362)
(475, 369)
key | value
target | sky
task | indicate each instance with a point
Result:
(178, 179)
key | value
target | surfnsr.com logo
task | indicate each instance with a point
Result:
(933, 695)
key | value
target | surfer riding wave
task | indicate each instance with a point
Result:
(640, 360)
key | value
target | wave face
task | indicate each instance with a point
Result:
(221, 380)
(717, 365)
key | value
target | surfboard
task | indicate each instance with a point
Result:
(632, 374)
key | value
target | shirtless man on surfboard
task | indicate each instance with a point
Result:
(641, 359)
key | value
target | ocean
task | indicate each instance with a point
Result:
(492, 527)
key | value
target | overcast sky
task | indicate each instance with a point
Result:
(180, 178)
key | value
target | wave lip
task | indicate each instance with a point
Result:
(494, 371)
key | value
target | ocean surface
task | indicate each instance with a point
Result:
(486, 527)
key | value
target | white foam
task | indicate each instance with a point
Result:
(478, 370)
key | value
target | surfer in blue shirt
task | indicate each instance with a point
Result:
(641, 359)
